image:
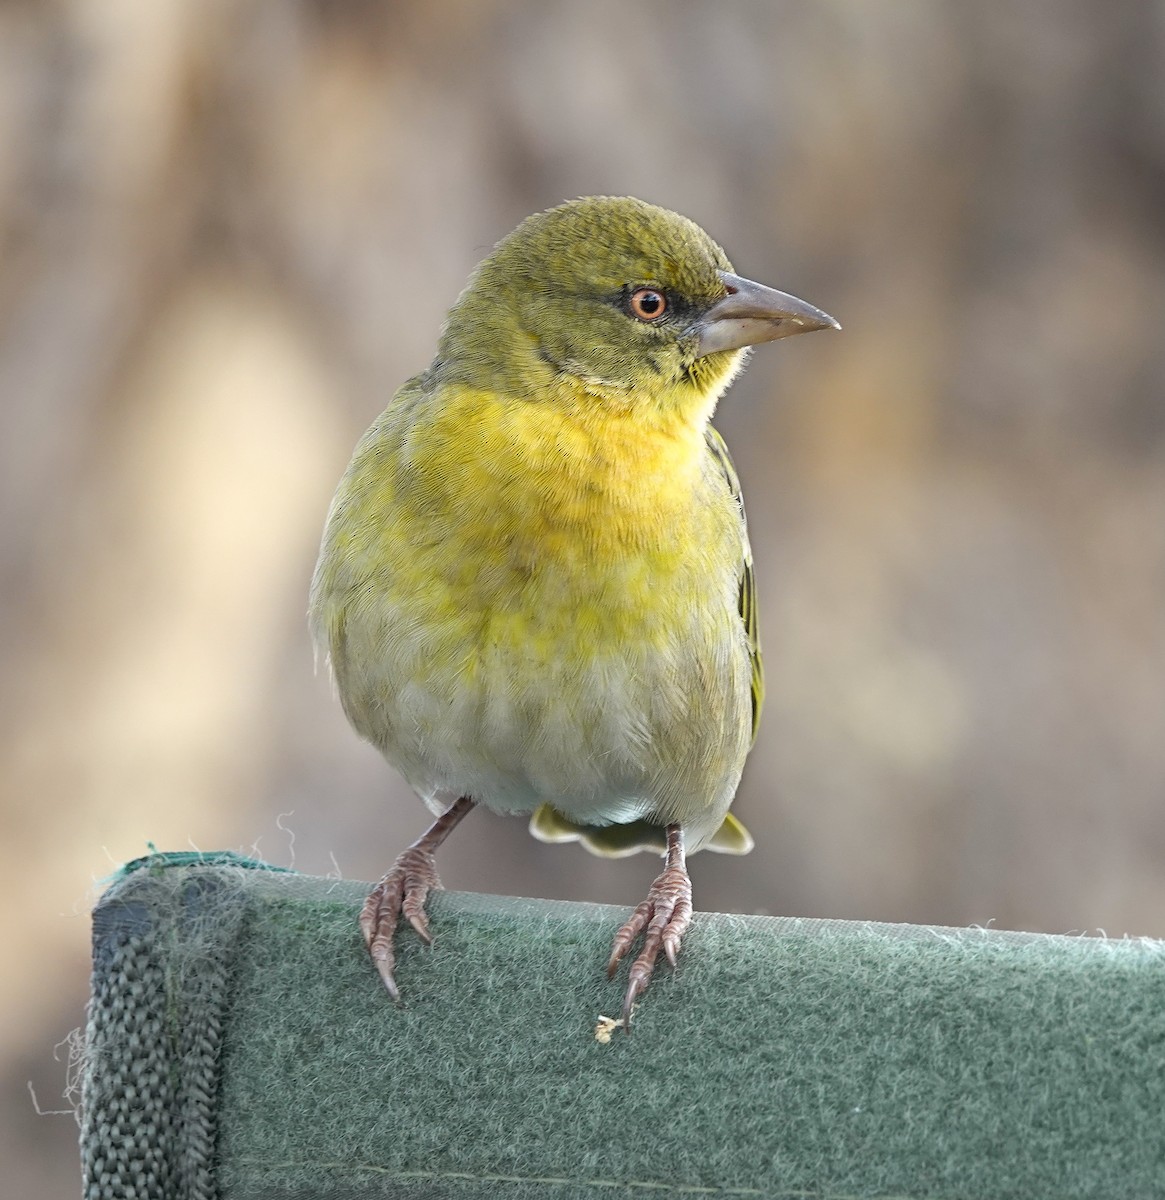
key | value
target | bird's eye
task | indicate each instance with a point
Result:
(648, 304)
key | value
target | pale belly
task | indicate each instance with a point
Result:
(611, 701)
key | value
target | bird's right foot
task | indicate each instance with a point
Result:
(403, 890)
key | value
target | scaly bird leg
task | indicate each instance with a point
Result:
(403, 890)
(665, 914)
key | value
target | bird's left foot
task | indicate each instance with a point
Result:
(665, 915)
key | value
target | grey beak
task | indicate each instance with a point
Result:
(752, 313)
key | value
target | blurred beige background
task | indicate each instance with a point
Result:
(230, 229)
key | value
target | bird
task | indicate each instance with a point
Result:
(535, 588)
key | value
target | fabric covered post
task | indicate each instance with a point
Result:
(241, 1046)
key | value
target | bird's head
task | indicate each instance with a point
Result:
(615, 300)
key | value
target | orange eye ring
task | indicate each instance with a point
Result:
(647, 304)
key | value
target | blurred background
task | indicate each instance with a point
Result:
(231, 228)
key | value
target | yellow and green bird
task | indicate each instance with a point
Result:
(535, 587)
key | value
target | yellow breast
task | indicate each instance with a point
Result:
(538, 601)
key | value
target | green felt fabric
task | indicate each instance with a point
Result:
(241, 1046)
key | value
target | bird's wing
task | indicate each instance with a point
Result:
(747, 600)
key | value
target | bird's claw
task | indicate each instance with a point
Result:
(663, 918)
(402, 891)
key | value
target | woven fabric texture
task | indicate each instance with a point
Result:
(241, 1046)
